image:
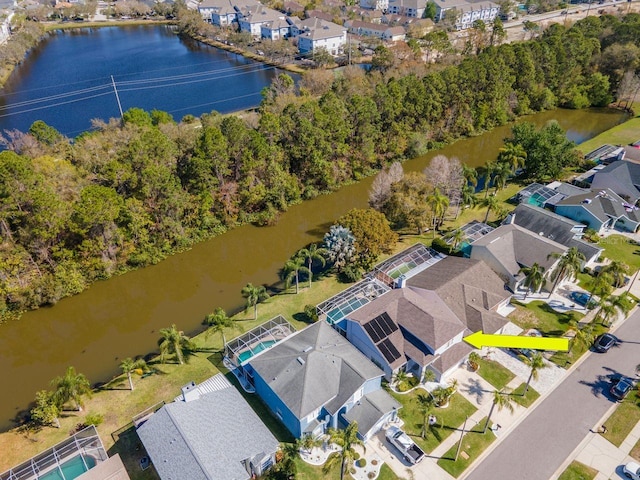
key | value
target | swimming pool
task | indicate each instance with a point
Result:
(247, 354)
(71, 469)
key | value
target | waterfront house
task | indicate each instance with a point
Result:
(315, 379)
(555, 227)
(382, 32)
(509, 248)
(315, 33)
(276, 29)
(224, 12)
(420, 324)
(407, 8)
(601, 210)
(255, 17)
(209, 431)
(382, 5)
(622, 176)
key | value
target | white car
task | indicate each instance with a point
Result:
(632, 471)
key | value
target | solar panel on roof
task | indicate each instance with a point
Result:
(389, 350)
(386, 323)
(372, 332)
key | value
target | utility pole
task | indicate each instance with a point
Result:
(115, 90)
(349, 48)
(460, 441)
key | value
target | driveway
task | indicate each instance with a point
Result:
(538, 446)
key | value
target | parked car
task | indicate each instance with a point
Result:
(604, 342)
(632, 470)
(582, 298)
(525, 352)
(411, 452)
(621, 388)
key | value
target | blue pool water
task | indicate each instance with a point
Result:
(71, 469)
(247, 354)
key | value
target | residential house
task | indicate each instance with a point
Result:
(276, 29)
(82, 453)
(209, 431)
(407, 8)
(554, 227)
(319, 14)
(254, 17)
(382, 32)
(547, 196)
(509, 248)
(293, 8)
(382, 5)
(623, 177)
(315, 379)
(420, 325)
(601, 210)
(467, 11)
(315, 33)
(224, 12)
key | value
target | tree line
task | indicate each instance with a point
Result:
(127, 194)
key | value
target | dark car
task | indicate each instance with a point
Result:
(621, 388)
(604, 342)
(582, 298)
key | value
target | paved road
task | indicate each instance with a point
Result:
(538, 446)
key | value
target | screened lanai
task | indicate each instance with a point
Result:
(409, 262)
(242, 348)
(354, 297)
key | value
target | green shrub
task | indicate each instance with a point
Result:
(311, 313)
(94, 419)
(362, 463)
(440, 245)
(351, 273)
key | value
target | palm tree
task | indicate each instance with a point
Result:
(292, 268)
(467, 197)
(218, 322)
(490, 168)
(501, 399)
(254, 295)
(313, 253)
(501, 174)
(512, 154)
(429, 375)
(438, 204)
(71, 386)
(582, 335)
(425, 407)
(347, 439)
(601, 286)
(612, 305)
(535, 363)
(285, 467)
(400, 377)
(129, 365)
(174, 341)
(470, 175)
(534, 278)
(492, 203)
(617, 271)
(457, 236)
(569, 266)
(308, 442)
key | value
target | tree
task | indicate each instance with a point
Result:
(292, 269)
(535, 363)
(218, 322)
(583, 335)
(308, 442)
(534, 278)
(46, 412)
(430, 11)
(347, 439)
(456, 237)
(569, 266)
(490, 168)
(71, 386)
(129, 365)
(339, 242)
(501, 174)
(470, 175)
(425, 408)
(492, 203)
(372, 233)
(513, 155)
(438, 205)
(501, 399)
(616, 270)
(322, 57)
(174, 341)
(313, 252)
(601, 286)
(610, 307)
(254, 295)
(498, 33)
(468, 196)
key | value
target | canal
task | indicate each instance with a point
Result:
(120, 317)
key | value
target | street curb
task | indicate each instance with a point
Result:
(542, 397)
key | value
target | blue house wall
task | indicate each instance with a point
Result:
(359, 339)
(579, 214)
(277, 406)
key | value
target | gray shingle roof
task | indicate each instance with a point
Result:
(603, 204)
(625, 173)
(316, 29)
(206, 438)
(314, 367)
(515, 247)
(370, 409)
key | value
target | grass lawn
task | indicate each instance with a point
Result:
(541, 316)
(635, 451)
(578, 471)
(527, 399)
(474, 443)
(623, 419)
(494, 373)
(620, 248)
(622, 134)
(447, 419)
(565, 359)
(312, 472)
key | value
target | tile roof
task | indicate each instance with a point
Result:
(314, 367)
(206, 438)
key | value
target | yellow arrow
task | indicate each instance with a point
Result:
(480, 339)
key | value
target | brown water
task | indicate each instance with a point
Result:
(120, 317)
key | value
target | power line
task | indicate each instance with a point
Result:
(55, 105)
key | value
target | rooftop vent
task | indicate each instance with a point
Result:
(190, 392)
(587, 200)
(307, 349)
